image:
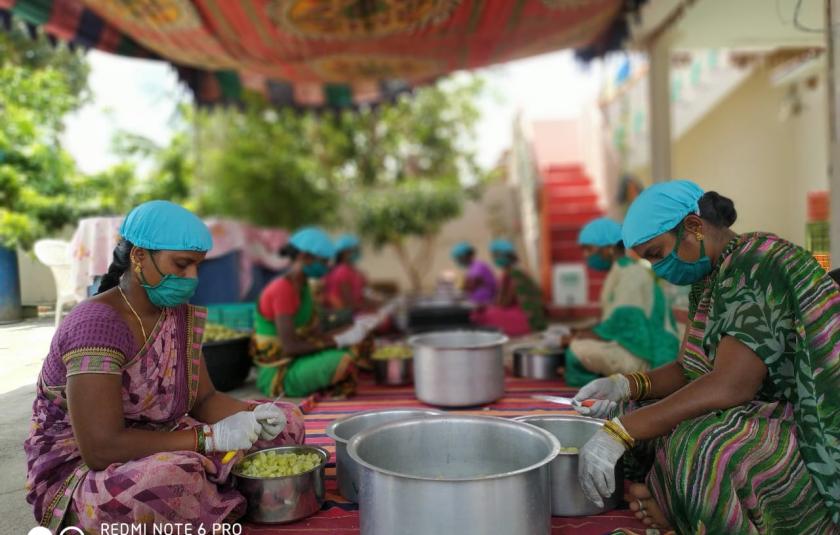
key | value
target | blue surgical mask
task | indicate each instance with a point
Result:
(598, 262)
(355, 257)
(316, 269)
(677, 271)
(171, 291)
(502, 261)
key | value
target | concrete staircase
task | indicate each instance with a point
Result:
(568, 201)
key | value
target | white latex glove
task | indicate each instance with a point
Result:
(368, 322)
(351, 336)
(596, 466)
(609, 391)
(236, 432)
(272, 420)
(386, 310)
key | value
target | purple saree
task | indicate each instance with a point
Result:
(160, 383)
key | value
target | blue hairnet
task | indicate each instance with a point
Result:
(460, 249)
(165, 226)
(600, 232)
(346, 241)
(502, 246)
(314, 241)
(658, 209)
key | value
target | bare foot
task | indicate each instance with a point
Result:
(645, 507)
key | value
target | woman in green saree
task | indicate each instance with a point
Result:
(637, 330)
(745, 425)
(294, 356)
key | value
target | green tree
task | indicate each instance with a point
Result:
(392, 216)
(394, 171)
(423, 136)
(39, 85)
(258, 165)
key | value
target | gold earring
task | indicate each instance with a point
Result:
(698, 235)
(137, 268)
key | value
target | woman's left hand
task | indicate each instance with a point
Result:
(272, 420)
(596, 467)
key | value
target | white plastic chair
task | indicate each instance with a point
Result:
(55, 254)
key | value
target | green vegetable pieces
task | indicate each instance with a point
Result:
(273, 464)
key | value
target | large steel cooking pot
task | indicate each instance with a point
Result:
(538, 362)
(567, 498)
(458, 368)
(347, 471)
(460, 475)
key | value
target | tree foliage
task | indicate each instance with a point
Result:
(390, 217)
(257, 165)
(393, 171)
(39, 85)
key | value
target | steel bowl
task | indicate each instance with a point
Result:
(537, 363)
(342, 430)
(461, 475)
(567, 498)
(277, 500)
(459, 368)
(393, 372)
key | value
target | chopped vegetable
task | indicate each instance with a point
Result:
(219, 333)
(396, 351)
(273, 464)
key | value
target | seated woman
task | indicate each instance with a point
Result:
(637, 330)
(479, 282)
(746, 429)
(344, 285)
(294, 355)
(126, 425)
(519, 308)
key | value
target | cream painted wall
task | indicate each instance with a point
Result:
(493, 215)
(810, 148)
(744, 151)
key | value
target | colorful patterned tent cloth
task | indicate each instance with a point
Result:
(339, 517)
(324, 53)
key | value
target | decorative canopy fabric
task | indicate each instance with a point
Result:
(313, 53)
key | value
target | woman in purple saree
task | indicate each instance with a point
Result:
(126, 424)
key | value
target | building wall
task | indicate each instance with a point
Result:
(482, 220)
(744, 150)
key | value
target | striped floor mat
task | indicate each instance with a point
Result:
(339, 517)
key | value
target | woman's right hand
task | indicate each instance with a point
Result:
(608, 393)
(236, 432)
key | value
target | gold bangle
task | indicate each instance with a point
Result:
(634, 381)
(615, 436)
(615, 428)
(642, 384)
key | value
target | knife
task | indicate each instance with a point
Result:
(565, 401)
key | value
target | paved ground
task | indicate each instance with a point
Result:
(23, 347)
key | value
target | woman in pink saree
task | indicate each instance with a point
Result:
(126, 424)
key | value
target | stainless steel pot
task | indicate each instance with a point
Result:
(347, 471)
(393, 372)
(459, 475)
(537, 363)
(276, 500)
(458, 368)
(567, 498)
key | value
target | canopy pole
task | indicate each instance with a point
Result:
(659, 104)
(832, 35)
